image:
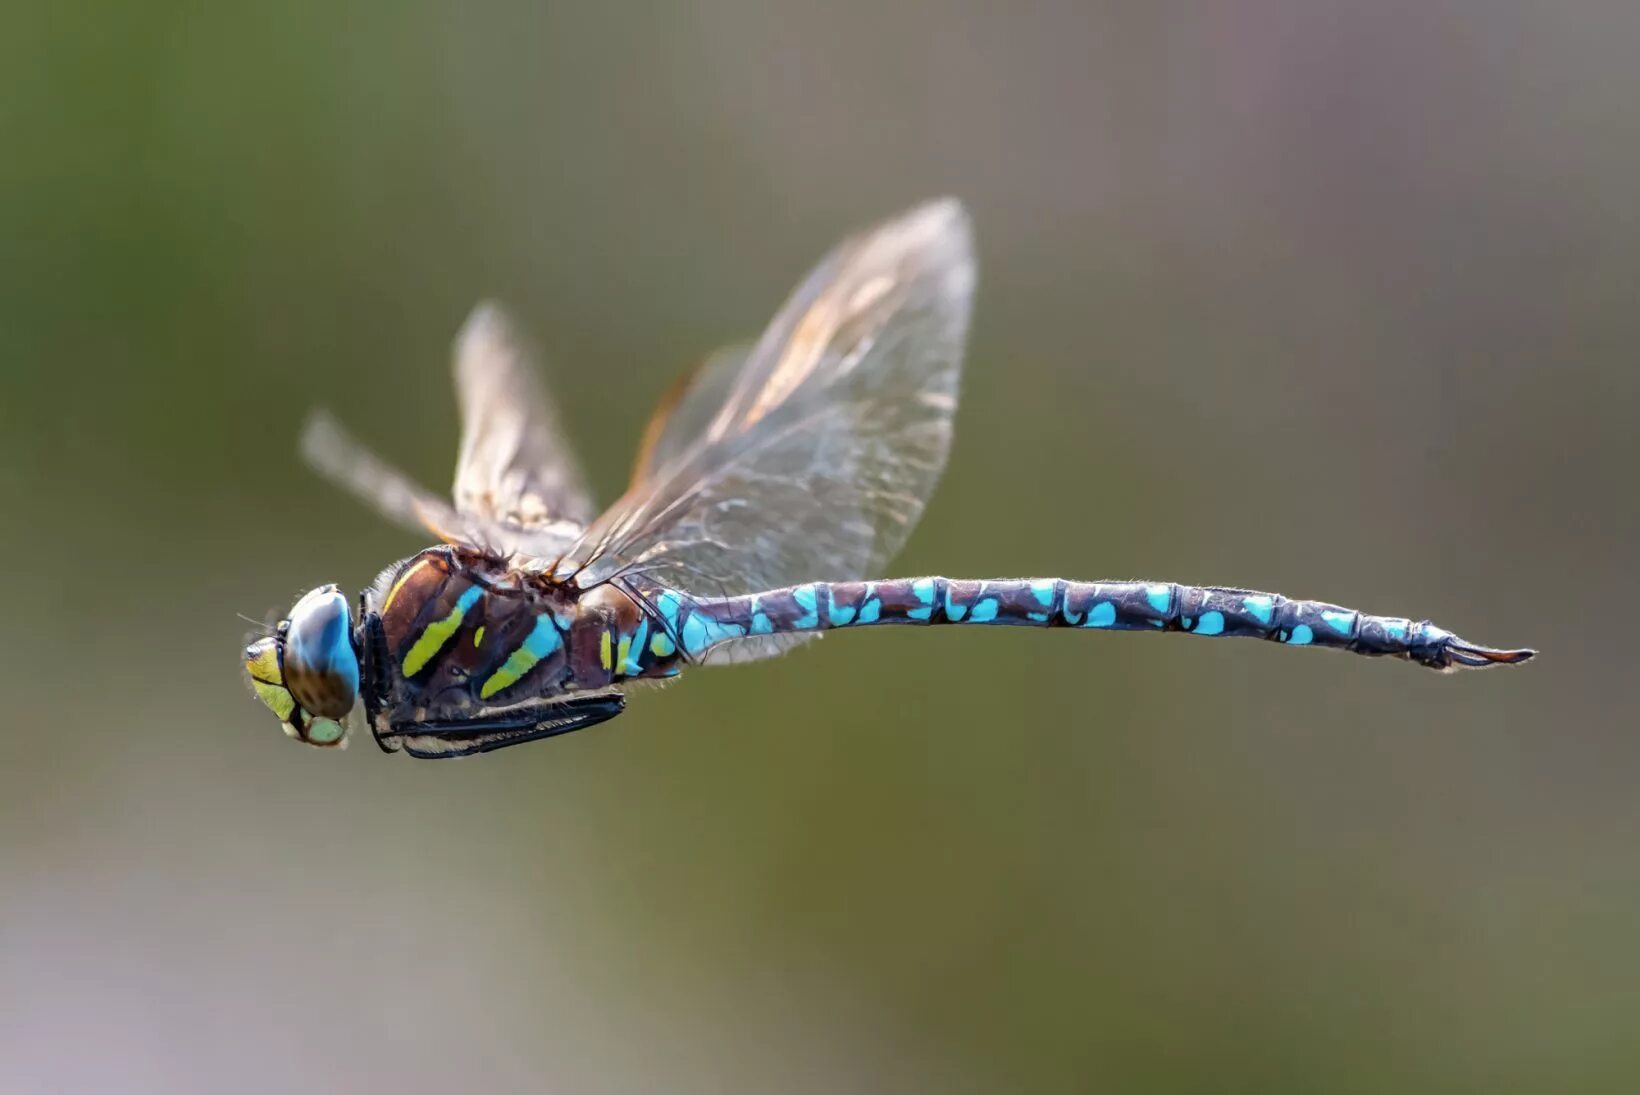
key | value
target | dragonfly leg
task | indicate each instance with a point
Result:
(441, 739)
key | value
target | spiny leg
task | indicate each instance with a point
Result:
(439, 740)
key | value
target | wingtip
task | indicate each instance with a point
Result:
(488, 321)
(946, 207)
(943, 217)
(319, 429)
(937, 234)
(945, 214)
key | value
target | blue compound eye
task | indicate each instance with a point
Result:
(321, 669)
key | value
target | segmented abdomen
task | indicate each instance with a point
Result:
(1057, 602)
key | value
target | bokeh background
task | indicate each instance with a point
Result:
(1333, 299)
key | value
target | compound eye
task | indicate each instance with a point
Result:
(321, 668)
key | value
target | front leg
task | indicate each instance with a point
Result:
(440, 739)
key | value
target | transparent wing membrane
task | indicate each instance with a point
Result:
(684, 413)
(517, 488)
(334, 453)
(813, 460)
(515, 469)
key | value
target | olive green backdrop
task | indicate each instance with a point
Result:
(1333, 299)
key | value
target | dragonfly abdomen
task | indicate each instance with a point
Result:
(1058, 602)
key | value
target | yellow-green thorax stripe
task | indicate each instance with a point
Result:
(438, 633)
(542, 640)
(392, 594)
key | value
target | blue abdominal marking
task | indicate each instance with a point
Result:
(839, 615)
(634, 650)
(717, 632)
(663, 645)
(1261, 608)
(693, 635)
(923, 589)
(806, 599)
(1338, 621)
(667, 605)
(1117, 606)
(1160, 598)
(702, 632)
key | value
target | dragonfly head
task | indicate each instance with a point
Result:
(307, 671)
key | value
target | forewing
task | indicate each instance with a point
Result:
(828, 441)
(515, 470)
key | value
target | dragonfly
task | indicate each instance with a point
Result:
(770, 485)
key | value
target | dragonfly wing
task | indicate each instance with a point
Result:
(684, 413)
(336, 455)
(515, 473)
(819, 456)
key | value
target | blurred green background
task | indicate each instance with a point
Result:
(1333, 299)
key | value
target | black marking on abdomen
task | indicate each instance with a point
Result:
(1208, 611)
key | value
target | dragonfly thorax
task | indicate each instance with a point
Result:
(457, 635)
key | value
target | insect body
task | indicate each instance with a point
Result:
(767, 486)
